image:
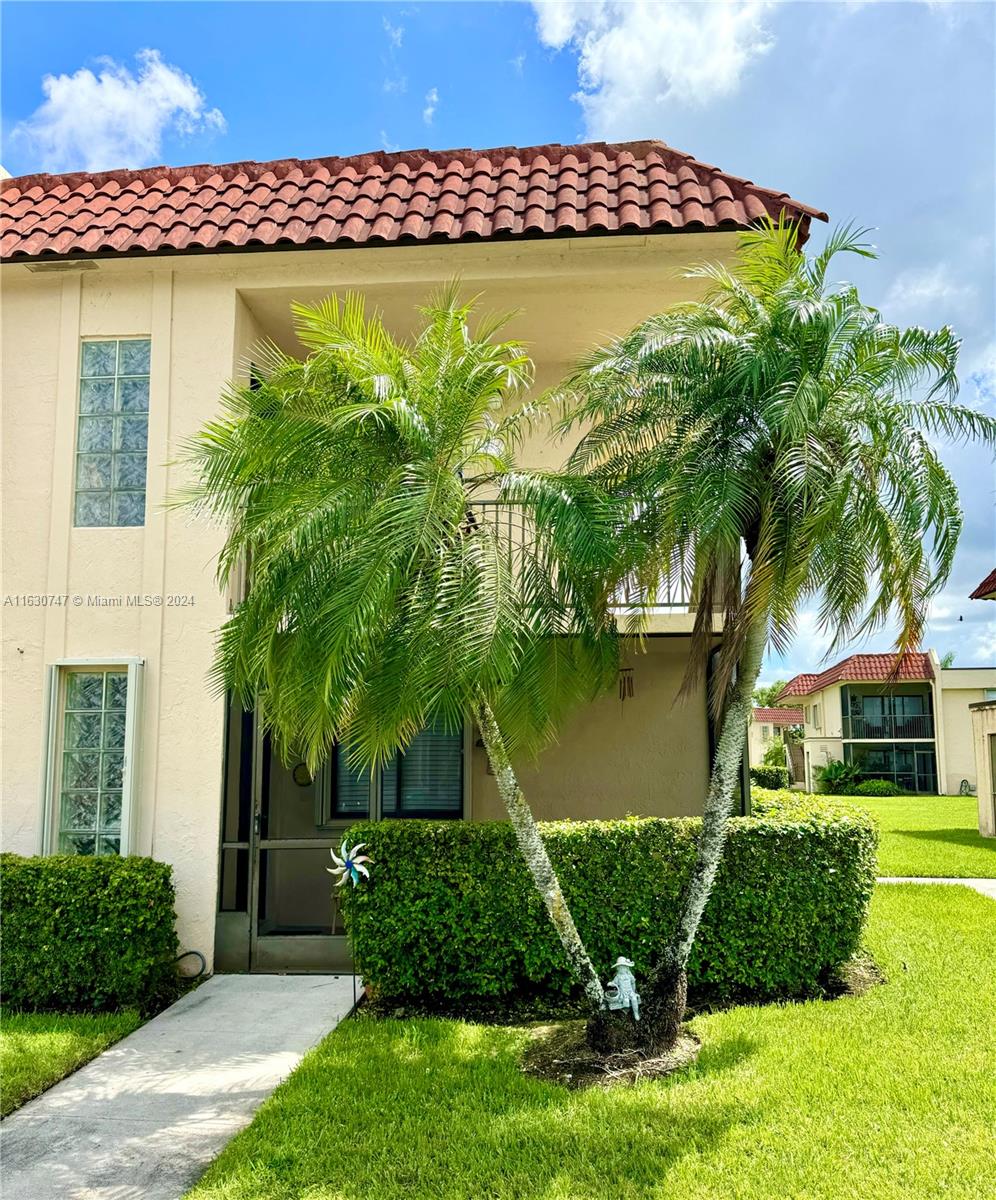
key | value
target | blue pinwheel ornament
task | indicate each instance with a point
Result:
(349, 864)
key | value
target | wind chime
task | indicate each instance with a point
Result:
(625, 684)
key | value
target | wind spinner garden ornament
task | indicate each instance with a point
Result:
(349, 864)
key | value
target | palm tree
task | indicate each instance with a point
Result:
(384, 596)
(783, 421)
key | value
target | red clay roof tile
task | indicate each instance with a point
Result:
(778, 716)
(412, 196)
(986, 589)
(862, 668)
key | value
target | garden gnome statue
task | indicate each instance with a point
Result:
(620, 991)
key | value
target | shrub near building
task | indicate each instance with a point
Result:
(449, 914)
(83, 933)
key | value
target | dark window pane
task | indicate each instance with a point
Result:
(350, 789)
(235, 880)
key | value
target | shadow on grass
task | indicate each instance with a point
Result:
(954, 835)
(428, 1108)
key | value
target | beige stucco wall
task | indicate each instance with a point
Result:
(647, 755)
(202, 314)
(983, 717)
(959, 744)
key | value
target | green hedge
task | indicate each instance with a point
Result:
(450, 913)
(84, 933)
(769, 777)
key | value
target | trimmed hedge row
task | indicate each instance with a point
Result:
(450, 914)
(82, 933)
(769, 776)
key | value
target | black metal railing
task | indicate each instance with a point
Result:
(901, 725)
(514, 530)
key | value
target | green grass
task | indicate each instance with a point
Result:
(931, 835)
(39, 1049)
(890, 1095)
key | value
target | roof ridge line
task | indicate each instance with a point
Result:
(336, 162)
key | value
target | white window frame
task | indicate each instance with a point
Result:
(55, 693)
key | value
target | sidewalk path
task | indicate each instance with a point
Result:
(143, 1120)
(986, 886)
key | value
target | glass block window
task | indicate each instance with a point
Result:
(113, 432)
(91, 771)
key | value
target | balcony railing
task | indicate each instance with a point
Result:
(913, 725)
(514, 531)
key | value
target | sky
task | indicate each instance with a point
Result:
(878, 112)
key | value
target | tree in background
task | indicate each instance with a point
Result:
(783, 420)
(766, 695)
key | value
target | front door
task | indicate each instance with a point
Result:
(278, 907)
(296, 923)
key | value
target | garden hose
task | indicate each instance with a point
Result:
(195, 954)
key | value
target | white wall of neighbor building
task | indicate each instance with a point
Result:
(960, 688)
(203, 313)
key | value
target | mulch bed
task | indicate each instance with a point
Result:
(559, 1053)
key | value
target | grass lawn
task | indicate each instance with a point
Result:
(931, 835)
(39, 1049)
(890, 1095)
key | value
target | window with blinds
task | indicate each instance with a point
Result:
(427, 780)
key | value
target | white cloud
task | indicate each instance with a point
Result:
(394, 34)
(927, 294)
(431, 103)
(397, 83)
(632, 57)
(389, 146)
(518, 63)
(115, 118)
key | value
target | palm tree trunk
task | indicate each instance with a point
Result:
(663, 1008)
(537, 859)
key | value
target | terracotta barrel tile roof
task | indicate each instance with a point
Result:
(986, 589)
(412, 196)
(863, 668)
(778, 716)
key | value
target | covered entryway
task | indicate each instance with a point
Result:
(278, 908)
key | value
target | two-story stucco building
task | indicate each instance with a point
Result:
(909, 723)
(129, 299)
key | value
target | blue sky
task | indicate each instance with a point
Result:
(878, 112)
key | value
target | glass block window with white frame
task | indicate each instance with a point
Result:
(112, 434)
(93, 714)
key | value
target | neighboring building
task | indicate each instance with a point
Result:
(986, 589)
(769, 725)
(130, 298)
(910, 725)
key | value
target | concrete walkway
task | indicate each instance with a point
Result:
(986, 886)
(143, 1120)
